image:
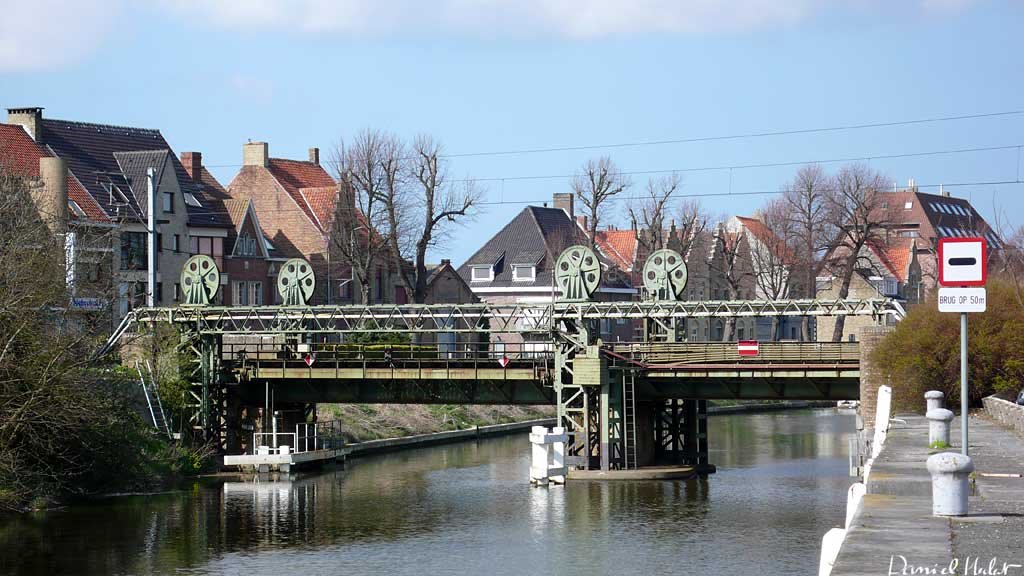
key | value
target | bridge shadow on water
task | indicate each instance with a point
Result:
(467, 509)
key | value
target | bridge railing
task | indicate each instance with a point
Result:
(280, 351)
(727, 352)
(307, 437)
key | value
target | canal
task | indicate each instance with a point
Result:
(468, 509)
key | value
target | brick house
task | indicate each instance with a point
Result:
(295, 202)
(109, 163)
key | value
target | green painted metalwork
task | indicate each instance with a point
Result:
(200, 280)
(664, 275)
(296, 282)
(577, 273)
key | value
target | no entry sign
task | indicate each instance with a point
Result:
(748, 348)
(962, 262)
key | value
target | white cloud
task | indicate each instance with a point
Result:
(566, 18)
(38, 34)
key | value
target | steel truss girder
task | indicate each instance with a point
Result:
(484, 318)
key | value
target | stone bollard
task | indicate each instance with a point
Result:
(934, 400)
(939, 422)
(950, 476)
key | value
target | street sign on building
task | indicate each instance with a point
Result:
(962, 262)
(748, 348)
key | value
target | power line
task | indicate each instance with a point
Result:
(741, 136)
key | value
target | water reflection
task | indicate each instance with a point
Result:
(467, 509)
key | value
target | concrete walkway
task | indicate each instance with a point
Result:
(895, 533)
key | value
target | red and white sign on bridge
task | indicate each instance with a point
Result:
(748, 348)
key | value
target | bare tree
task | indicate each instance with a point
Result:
(808, 237)
(734, 268)
(360, 232)
(596, 187)
(690, 221)
(438, 203)
(770, 254)
(647, 214)
(858, 215)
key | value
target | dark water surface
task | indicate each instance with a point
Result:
(469, 509)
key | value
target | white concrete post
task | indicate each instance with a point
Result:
(558, 456)
(934, 400)
(547, 462)
(854, 496)
(950, 477)
(883, 406)
(539, 459)
(830, 545)
(939, 422)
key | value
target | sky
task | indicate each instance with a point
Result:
(594, 76)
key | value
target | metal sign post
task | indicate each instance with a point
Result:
(963, 271)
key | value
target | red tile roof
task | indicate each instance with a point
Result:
(896, 256)
(619, 246)
(321, 201)
(767, 237)
(294, 175)
(20, 154)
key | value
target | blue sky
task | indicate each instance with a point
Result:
(506, 75)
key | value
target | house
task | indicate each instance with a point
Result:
(771, 264)
(929, 217)
(65, 205)
(516, 264)
(883, 271)
(295, 202)
(250, 260)
(110, 164)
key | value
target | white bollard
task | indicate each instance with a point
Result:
(854, 496)
(939, 422)
(284, 449)
(539, 456)
(950, 483)
(830, 545)
(934, 400)
(547, 461)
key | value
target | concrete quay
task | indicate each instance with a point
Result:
(894, 531)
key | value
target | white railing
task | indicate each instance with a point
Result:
(307, 437)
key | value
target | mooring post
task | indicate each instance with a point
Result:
(950, 483)
(939, 422)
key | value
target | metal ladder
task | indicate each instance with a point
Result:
(158, 415)
(629, 421)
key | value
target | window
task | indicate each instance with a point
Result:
(133, 251)
(256, 293)
(908, 205)
(239, 293)
(168, 202)
(345, 290)
(177, 243)
(521, 273)
(159, 293)
(210, 246)
(379, 290)
(908, 233)
(246, 245)
(177, 292)
(482, 274)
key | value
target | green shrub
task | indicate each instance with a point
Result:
(923, 352)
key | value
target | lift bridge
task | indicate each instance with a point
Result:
(625, 404)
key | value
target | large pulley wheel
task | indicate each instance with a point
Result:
(200, 280)
(577, 273)
(296, 282)
(665, 275)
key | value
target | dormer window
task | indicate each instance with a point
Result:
(524, 273)
(482, 273)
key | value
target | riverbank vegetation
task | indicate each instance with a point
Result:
(923, 352)
(67, 426)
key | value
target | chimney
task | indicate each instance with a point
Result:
(31, 119)
(52, 197)
(193, 162)
(943, 191)
(314, 156)
(255, 154)
(564, 201)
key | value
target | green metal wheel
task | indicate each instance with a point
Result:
(296, 282)
(577, 273)
(665, 275)
(200, 280)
